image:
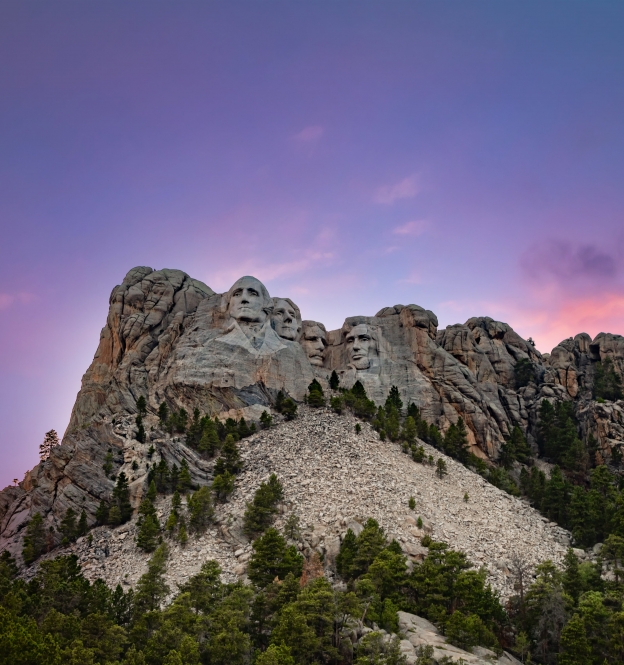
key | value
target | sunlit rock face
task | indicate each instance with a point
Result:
(171, 338)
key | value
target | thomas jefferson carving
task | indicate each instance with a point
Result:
(361, 346)
(313, 341)
(286, 319)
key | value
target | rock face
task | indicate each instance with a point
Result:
(170, 338)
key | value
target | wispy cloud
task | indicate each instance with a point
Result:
(309, 134)
(562, 261)
(8, 299)
(413, 278)
(407, 188)
(414, 228)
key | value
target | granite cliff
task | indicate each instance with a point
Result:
(170, 338)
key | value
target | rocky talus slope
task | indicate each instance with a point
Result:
(335, 479)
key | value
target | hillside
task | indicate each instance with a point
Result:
(335, 479)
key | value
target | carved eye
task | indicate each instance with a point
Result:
(237, 292)
(252, 292)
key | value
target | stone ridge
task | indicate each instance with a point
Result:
(334, 479)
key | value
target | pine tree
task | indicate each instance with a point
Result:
(140, 434)
(223, 485)
(151, 492)
(121, 498)
(272, 558)
(266, 420)
(163, 414)
(50, 441)
(334, 381)
(34, 539)
(184, 482)
(151, 589)
(148, 526)
(101, 514)
(201, 511)
(575, 648)
(394, 398)
(441, 468)
(409, 430)
(316, 398)
(243, 428)
(174, 477)
(571, 578)
(607, 382)
(260, 511)
(83, 527)
(68, 527)
(230, 459)
(141, 405)
(209, 442)
(182, 534)
(289, 408)
(194, 433)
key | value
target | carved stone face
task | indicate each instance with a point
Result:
(285, 320)
(314, 343)
(249, 300)
(360, 346)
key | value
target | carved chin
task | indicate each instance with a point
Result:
(361, 363)
(316, 360)
(287, 333)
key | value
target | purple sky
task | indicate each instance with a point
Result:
(464, 156)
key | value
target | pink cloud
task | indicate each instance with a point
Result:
(309, 134)
(407, 188)
(8, 299)
(414, 228)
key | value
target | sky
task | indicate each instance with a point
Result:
(464, 156)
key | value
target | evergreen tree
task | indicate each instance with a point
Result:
(201, 511)
(524, 372)
(174, 477)
(184, 482)
(346, 556)
(223, 485)
(141, 406)
(260, 511)
(174, 515)
(392, 421)
(151, 589)
(230, 459)
(571, 578)
(101, 514)
(161, 475)
(182, 534)
(279, 401)
(289, 408)
(520, 447)
(272, 558)
(209, 442)
(409, 430)
(83, 527)
(394, 399)
(441, 468)
(151, 492)
(140, 434)
(148, 526)
(195, 430)
(163, 414)
(334, 381)
(316, 398)
(50, 441)
(68, 527)
(243, 428)
(276, 654)
(607, 382)
(266, 420)
(34, 539)
(575, 649)
(121, 498)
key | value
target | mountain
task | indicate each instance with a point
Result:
(169, 338)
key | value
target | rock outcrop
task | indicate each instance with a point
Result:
(170, 338)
